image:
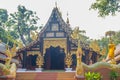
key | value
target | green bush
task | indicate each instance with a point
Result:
(93, 76)
(114, 75)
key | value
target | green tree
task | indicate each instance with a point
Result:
(3, 17)
(4, 35)
(116, 37)
(106, 7)
(103, 42)
(21, 23)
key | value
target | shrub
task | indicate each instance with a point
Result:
(114, 75)
(93, 76)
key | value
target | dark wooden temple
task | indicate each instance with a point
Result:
(53, 42)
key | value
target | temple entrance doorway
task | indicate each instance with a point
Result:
(54, 58)
(31, 62)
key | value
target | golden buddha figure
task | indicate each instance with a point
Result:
(111, 47)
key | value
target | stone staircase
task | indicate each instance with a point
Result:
(45, 76)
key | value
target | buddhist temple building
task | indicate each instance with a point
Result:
(53, 43)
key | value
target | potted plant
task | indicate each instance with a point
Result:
(93, 76)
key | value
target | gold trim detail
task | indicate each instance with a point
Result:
(73, 51)
(68, 60)
(33, 53)
(62, 42)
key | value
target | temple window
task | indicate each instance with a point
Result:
(59, 34)
(55, 27)
(50, 34)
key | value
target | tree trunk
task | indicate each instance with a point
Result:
(29, 38)
(21, 36)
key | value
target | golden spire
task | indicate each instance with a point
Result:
(56, 4)
(67, 18)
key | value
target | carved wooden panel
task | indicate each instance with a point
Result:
(50, 34)
(62, 42)
(33, 53)
(60, 34)
(55, 27)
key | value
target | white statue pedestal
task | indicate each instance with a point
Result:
(21, 70)
(68, 69)
(39, 69)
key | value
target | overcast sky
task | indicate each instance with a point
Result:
(79, 14)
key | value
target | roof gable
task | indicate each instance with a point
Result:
(53, 19)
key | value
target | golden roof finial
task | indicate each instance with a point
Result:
(67, 14)
(67, 18)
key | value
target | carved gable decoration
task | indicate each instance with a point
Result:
(56, 26)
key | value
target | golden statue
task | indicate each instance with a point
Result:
(10, 53)
(34, 35)
(111, 47)
(94, 45)
(13, 50)
(9, 56)
(79, 69)
(8, 68)
(20, 45)
(75, 33)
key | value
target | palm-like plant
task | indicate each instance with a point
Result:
(110, 34)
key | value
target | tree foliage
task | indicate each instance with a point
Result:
(21, 23)
(3, 17)
(17, 25)
(110, 33)
(116, 38)
(106, 7)
(114, 35)
(103, 42)
(4, 34)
